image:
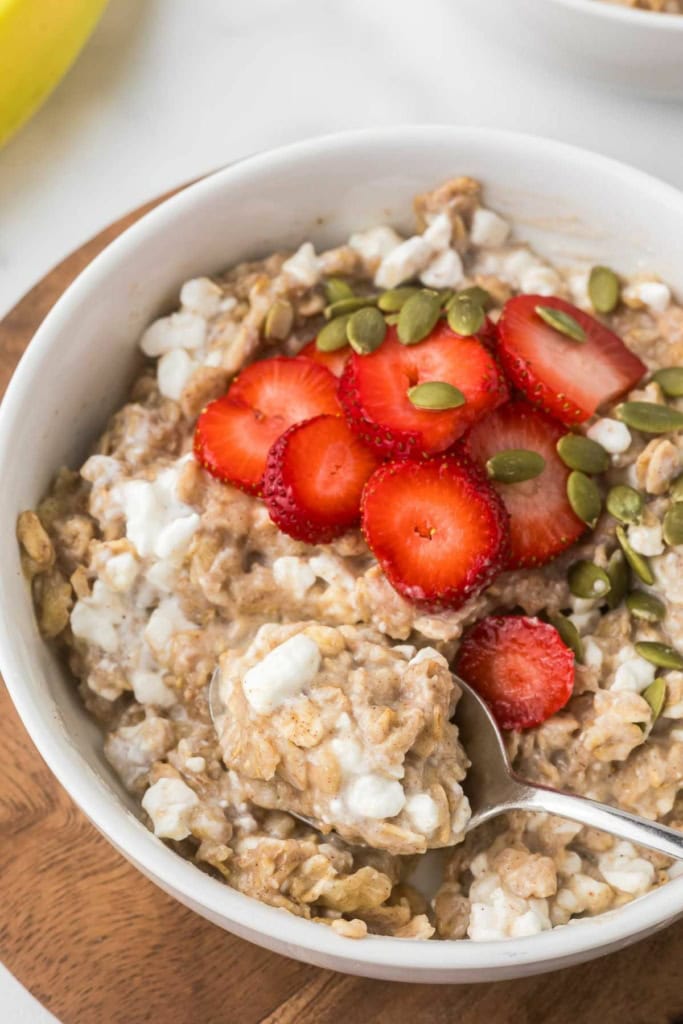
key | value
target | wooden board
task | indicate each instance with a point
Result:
(99, 944)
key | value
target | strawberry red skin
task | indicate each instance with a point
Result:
(373, 392)
(437, 529)
(314, 479)
(566, 378)
(520, 667)
(542, 523)
(234, 433)
(334, 361)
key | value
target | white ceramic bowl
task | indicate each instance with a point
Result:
(635, 50)
(570, 203)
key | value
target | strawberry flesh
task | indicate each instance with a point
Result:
(542, 523)
(314, 479)
(374, 392)
(566, 378)
(334, 361)
(519, 666)
(235, 433)
(437, 528)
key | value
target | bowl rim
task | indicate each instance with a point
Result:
(627, 15)
(215, 899)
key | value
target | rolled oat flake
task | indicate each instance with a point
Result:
(661, 655)
(624, 503)
(584, 497)
(672, 526)
(639, 563)
(366, 330)
(579, 452)
(645, 606)
(588, 580)
(650, 417)
(603, 289)
(515, 465)
(619, 577)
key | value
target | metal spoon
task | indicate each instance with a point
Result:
(493, 788)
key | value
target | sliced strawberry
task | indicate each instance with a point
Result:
(437, 528)
(314, 479)
(374, 392)
(234, 434)
(567, 378)
(542, 523)
(334, 361)
(520, 666)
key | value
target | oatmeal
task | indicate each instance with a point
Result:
(508, 501)
(656, 6)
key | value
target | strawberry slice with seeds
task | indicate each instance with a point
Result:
(542, 523)
(374, 392)
(437, 528)
(520, 667)
(314, 479)
(334, 361)
(569, 379)
(234, 433)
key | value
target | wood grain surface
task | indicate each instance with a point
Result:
(99, 944)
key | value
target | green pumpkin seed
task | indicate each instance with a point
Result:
(392, 319)
(579, 452)
(514, 465)
(670, 380)
(436, 395)
(349, 305)
(660, 655)
(394, 300)
(418, 317)
(584, 497)
(562, 322)
(465, 316)
(644, 606)
(333, 335)
(603, 290)
(672, 527)
(366, 330)
(676, 489)
(639, 563)
(588, 580)
(655, 695)
(650, 417)
(336, 290)
(569, 634)
(279, 320)
(477, 295)
(619, 577)
(624, 503)
(446, 295)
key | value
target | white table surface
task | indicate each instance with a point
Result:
(168, 89)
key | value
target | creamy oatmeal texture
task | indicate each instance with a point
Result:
(336, 693)
(658, 6)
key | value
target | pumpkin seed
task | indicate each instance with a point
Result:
(655, 695)
(650, 417)
(394, 300)
(639, 563)
(418, 316)
(660, 655)
(624, 503)
(569, 634)
(437, 395)
(279, 320)
(619, 577)
(579, 452)
(588, 580)
(562, 322)
(348, 305)
(333, 335)
(392, 319)
(644, 606)
(670, 380)
(366, 330)
(676, 489)
(514, 465)
(603, 289)
(336, 290)
(446, 295)
(672, 527)
(584, 497)
(465, 316)
(478, 295)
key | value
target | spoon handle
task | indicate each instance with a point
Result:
(601, 816)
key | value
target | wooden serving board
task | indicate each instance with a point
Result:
(99, 944)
